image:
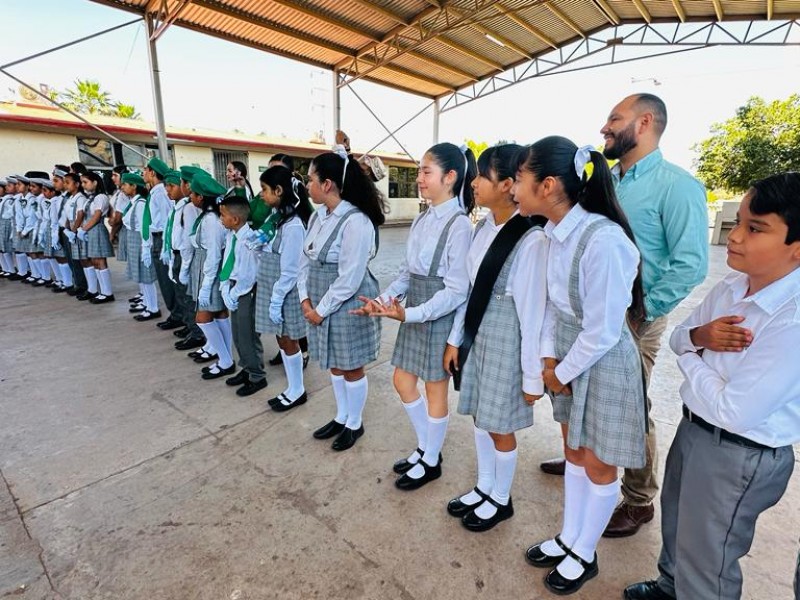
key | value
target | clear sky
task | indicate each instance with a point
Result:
(213, 84)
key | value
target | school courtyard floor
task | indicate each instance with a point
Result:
(124, 475)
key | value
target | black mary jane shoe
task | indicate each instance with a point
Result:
(205, 357)
(136, 299)
(59, 289)
(537, 558)
(347, 439)
(329, 430)
(169, 324)
(50, 284)
(148, 316)
(281, 406)
(251, 387)
(239, 379)
(407, 483)
(475, 523)
(404, 465)
(136, 308)
(560, 585)
(190, 344)
(216, 373)
(102, 299)
(457, 508)
(39, 283)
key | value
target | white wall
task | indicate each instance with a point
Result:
(196, 156)
(22, 151)
(257, 163)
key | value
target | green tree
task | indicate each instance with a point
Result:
(125, 111)
(89, 98)
(762, 139)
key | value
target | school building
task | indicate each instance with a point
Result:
(36, 137)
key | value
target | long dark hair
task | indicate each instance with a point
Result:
(240, 166)
(450, 158)
(92, 176)
(294, 197)
(210, 204)
(499, 163)
(358, 188)
(74, 178)
(554, 156)
(284, 159)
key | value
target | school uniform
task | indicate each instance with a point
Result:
(160, 207)
(27, 222)
(135, 268)
(98, 241)
(179, 225)
(7, 227)
(58, 220)
(73, 204)
(732, 455)
(120, 203)
(208, 241)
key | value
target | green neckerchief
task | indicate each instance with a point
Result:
(147, 219)
(168, 232)
(227, 268)
(197, 222)
(127, 208)
(270, 226)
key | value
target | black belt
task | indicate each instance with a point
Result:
(723, 434)
(157, 233)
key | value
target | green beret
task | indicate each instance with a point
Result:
(205, 185)
(173, 177)
(133, 178)
(159, 166)
(188, 171)
(236, 192)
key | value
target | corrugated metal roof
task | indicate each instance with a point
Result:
(430, 47)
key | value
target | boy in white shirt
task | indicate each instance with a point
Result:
(732, 455)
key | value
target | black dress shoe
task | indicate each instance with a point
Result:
(85, 296)
(136, 299)
(205, 357)
(136, 308)
(403, 466)
(473, 522)
(347, 438)
(14, 277)
(218, 372)
(646, 590)
(276, 360)
(101, 299)
(558, 584)
(190, 343)
(49, 284)
(329, 430)
(537, 558)
(59, 290)
(182, 332)
(457, 508)
(408, 483)
(239, 379)
(39, 283)
(148, 316)
(169, 324)
(251, 387)
(281, 407)
(73, 291)
(555, 466)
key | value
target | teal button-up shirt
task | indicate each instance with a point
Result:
(667, 211)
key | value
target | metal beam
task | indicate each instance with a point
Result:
(608, 12)
(170, 19)
(679, 10)
(567, 21)
(643, 10)
(437, 111)
(718, 10)
(494, 34)
(525, 25)
(337, 106)
(155, 81)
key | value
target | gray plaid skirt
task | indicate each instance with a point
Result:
(6, 244)
(196, 280)
(122, 244)
(134, 268)
(62, 239)
(342, 341)
(24, 244)
(294, 325)
(98, 242)
(46, 241)
(419, 348)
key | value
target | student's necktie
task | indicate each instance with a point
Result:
(227, 268)
(147, 220)
(168, 232)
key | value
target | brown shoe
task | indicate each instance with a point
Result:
(627, 519)
(555, 466)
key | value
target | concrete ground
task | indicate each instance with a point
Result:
(126, 476)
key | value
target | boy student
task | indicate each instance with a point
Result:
(172, 184)
(732, 456)
(238, 288)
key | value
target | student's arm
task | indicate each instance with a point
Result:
(681, 340)
(214, 242)
(290, 259)
(55, 206)
(19, 216)
(246, 270)
(30, 219)
(97, 215)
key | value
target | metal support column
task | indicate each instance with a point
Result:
(337, 106)
(436, 112)
(155, 79)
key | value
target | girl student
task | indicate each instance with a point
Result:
(592, 370)
(342, 238)
(52, 274)
(120, 204)
(277, 301)
(201, 274)
(96, 240)
(494, 343)
(33, 220)
(434, 282)
(7, 191)
(58, 221)
(73, 202)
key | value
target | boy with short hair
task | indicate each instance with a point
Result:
(238, 287)
(732, 456)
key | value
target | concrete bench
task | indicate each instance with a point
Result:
(724, 222)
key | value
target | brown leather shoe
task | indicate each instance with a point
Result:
(555, 466)
(627, 519)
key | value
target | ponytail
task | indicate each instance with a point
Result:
(461, 160)
(353, 184)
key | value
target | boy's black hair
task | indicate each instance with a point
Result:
(779, 194)
(237, 205)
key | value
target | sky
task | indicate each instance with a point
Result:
(212, 84)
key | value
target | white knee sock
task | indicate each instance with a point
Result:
(227, 334)
(356, 399)
(91, 279)
(437, 430)
(601, 501)
(104, 276)
(214, 335)
(576, 497)
(150, 295)
(484, 448)
(417, 412)
(56, 270)
(505, 467)
(4, 262)
(34, 266)
(44, 268)
(340, 395)
(293, 366)
(66, 274)
(23, 267)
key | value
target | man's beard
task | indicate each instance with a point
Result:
(624, 142)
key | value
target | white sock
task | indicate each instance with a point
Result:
(4, 262)
(576, 491)
(55, 269)
(214, 335)
(66, 274)
(150, 296)
(23, 266)
(34, 265)
(340, 395)
(356, 399)
(601, 501)
(91, 279)
(437, 430)
(227, 334)
(417, 412)
(104, 276)
(44, 269)
(484, 448)
(505, 466)
(293, 366)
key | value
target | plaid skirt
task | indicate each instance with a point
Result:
(98, 242)
(62, 239)
(342, 341)
(46, 240)
(491, 378)
(419, 348)
(294, 325)
(24, 244)
(122, 244)
(196, 280)
(6, 229)
(134, 268)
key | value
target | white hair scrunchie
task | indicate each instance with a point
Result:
(463, 148)
(295, 185)
(340, 150)
(583, 157)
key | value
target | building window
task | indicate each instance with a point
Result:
(403, 182)
(102, 155)
(221, 160)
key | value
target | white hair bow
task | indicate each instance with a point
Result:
(582, 158)
(342, 152)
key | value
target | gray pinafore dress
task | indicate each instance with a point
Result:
(606, 411)
(134, 268)
(25, 244)
(122, 235)
(196, 272)
(342, 341)
(491, 378)
(45, 233)
(98, 242)
(269, 271)
(419, 348)
(6, 225)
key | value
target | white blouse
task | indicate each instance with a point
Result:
(160, 207)
(186, 214)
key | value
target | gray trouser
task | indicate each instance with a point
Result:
(184, 304)
(162, 274)
(714, 491)
(640, 486)
(246, 339)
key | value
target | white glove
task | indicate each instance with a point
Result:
(147, 257)
(183, 276)
(70, 235)
(204, 297)
(169, 272)
(82, 235)
(276, 312)
(255, 239)
(230, 302)
(165, 257)
(56, 244)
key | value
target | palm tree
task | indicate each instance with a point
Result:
(87, 98)
(125, 111)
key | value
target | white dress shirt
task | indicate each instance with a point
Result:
(245, 263)
(98, 202)
(527, 285)
(120, 201)
(55, 218)
(30, 214)
(19, 213)
(160, 207)
(420, 248)
(186, 214)
(7, 207)
(754, 393)
(608, 269)
(133, 219)
(293, 233)
(352, 249)
(210, 236)
(43, 215)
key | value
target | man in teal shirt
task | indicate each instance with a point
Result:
(666, 207)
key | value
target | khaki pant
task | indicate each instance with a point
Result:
(640, 486)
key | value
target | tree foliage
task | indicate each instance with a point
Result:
(762, 139)
(89, 98)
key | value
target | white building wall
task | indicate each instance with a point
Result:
(196, 156)
(22, 151)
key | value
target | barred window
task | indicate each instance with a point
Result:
(403, 182)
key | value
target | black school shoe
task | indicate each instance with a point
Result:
(59, 289)
(279, 406)
(457, 508)
(101, 299)
(182, 332)
(136, 299)
(148, 316)
(216, 373)
(537, 558)
(73, 291)
(403, 465)
(347, 439)
(169, 324)
(330, 429)
(204, 357)
(190, 343)
(473, 522)
(85, 296)
(251, 387)
(558, 584)
(407, 483)
(239, 379)
(276, 360)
